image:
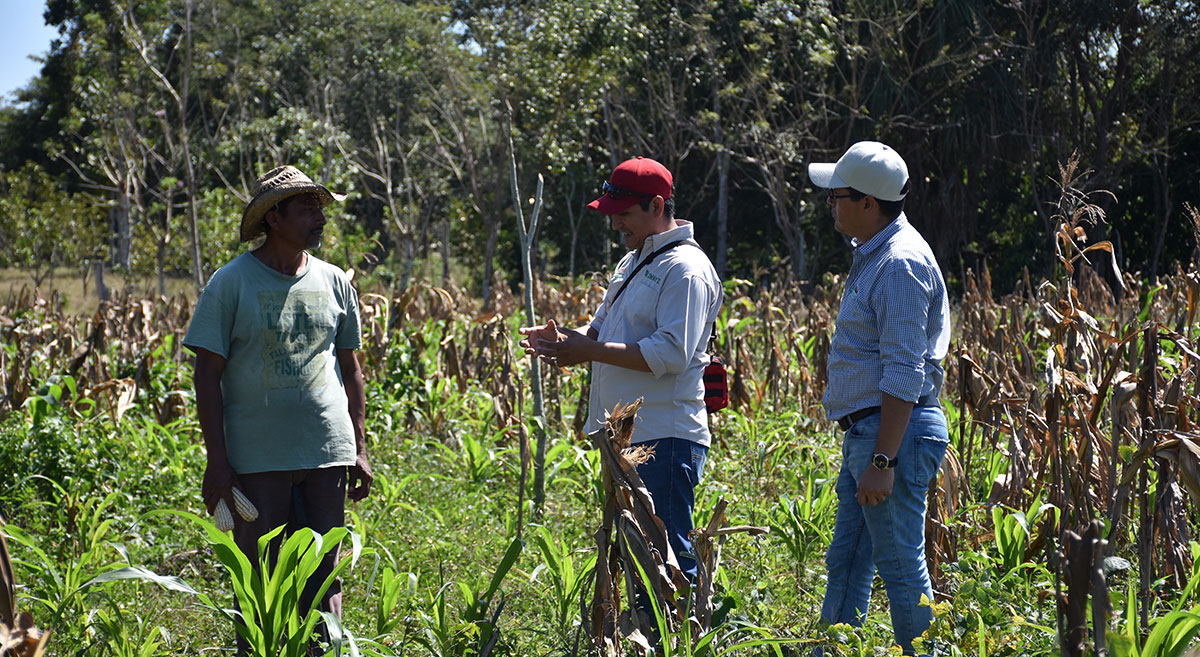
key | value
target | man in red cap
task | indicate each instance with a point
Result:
(647, 340)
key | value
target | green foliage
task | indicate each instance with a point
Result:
(143, 109)
(112, 578)
(270, 619)
(1014, 530)
(567, 577)
(42, 226)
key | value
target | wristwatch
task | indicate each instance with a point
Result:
(882, 462)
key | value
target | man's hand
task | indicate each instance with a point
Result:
(567, 348)
(875, 485)
(547, 332)
(219, 480)
(359, 484)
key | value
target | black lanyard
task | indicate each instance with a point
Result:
(641, 264)
(712, 336)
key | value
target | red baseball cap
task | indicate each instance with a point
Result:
(632, 181)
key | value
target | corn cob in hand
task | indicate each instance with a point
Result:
(244, 508)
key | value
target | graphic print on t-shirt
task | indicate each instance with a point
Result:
(297, 327)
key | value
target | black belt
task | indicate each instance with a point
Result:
(847, 421)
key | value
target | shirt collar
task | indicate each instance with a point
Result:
(683, 230)
(880, 238)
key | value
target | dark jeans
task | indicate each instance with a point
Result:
(671, 477)
(298, 498)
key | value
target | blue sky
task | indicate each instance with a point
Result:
(23, 32)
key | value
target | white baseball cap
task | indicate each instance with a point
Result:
(870, 167)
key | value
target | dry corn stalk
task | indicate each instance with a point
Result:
(640, 543)
(18, 636)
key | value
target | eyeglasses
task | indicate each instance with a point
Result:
(831, 197)
(619, 192)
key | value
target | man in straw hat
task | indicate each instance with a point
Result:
(884, 374)
(648, 340)
(279, 392)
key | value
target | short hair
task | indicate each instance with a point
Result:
(890, 209)
(668, 206)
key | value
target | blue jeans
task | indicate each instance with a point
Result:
(671, 477)
(890, 536)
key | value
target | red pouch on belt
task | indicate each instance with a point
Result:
(716, 385)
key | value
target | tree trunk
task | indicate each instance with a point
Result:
(489, 253)
(189, 172)
(98, 277)
(722, 210)
(163, 241)
(446, 252)
(119, 217)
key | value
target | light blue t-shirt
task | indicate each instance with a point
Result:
(284, 400)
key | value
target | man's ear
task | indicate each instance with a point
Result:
(660, 204)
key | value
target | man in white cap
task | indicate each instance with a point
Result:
(648, 340)
(883, 378)
(279, 392)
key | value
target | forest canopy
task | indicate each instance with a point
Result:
(138, 142)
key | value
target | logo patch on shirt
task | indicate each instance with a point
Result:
(618, 276)
(654, 278)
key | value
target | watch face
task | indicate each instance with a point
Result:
(881, 461)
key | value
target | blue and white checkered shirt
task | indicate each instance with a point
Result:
(893, 327)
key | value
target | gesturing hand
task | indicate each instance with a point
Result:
(567, 349)
(545, 333)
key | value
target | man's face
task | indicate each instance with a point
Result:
(848, 214)
(301, 222)
(635, 224)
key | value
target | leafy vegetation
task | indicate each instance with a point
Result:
(150, 120)
(1061, 521)
(100, 439)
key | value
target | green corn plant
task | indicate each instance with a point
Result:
(62, 580)
(391, 586)
(477, 632)
(578, 468)
(1169, 635)
(802, 525)
(1013, 531)
(441, 636)
(270, 619)
(125, 634)
(567, 576)
(686, 639)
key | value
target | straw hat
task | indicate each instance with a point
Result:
(275, 186)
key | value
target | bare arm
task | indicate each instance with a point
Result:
(875, 485)
(579, 345)
(219, 477)
(359, 483)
